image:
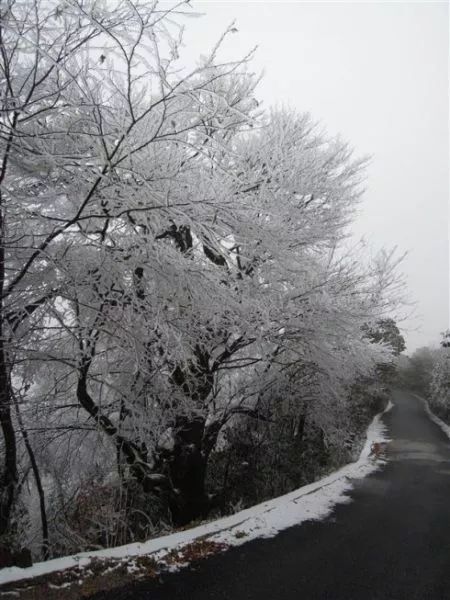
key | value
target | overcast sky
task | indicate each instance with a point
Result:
(377, 73)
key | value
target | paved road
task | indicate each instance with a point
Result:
(391, 543)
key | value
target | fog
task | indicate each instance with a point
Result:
(376, 73)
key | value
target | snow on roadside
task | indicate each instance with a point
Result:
(311, 502)
(442, 424)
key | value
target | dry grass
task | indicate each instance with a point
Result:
(103, 574)
(194, 551)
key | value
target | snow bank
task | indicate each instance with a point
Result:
(442, 424)
(311, 502)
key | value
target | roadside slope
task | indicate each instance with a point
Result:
(312, 502)
(391, 542)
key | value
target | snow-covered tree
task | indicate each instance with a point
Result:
(101, 133)
(440, 379)
(173, 259)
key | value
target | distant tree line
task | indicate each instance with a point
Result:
(427, 372)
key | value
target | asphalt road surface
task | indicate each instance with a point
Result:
(391, 543)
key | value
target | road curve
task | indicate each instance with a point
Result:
(391, 543)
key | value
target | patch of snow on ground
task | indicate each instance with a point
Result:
(311, 502)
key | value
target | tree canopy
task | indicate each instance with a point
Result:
(174, 261)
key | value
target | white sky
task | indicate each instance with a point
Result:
(377, 73)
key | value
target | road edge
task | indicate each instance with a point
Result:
(311, 502)
(437, 420)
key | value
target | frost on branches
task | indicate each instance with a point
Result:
(175, 273)
(439, 392)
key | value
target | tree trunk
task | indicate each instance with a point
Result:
(8, 481)
(135, 454)
(37, 477)
(189, 458)
(187, 468)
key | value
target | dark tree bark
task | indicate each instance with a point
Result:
(8, 480)
(187, 468)
(187, 462)
(37, 478)
(135, 455)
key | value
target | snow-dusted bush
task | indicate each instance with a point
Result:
(439, 392)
